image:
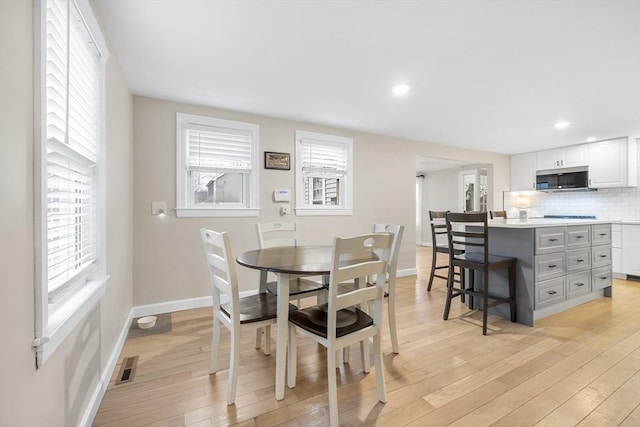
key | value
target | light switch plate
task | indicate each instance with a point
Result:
(158, 208)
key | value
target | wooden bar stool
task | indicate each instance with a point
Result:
(439, 228)
(470, 230)
(498, 214)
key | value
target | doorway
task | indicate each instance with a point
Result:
(442, 184)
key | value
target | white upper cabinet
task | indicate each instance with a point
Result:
(613, 163)
(566, 157)
(523, 172)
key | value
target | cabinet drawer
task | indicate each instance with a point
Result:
(601, 234)
(600, 256)
(549, 292)
(550, 239)
(578, 284)
(548, 266)
(578, 236)
(578, 260)
(600, 278)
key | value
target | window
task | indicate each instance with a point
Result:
(324, 178)
(217, 167)
(70, 267)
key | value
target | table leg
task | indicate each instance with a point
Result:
(282, 326)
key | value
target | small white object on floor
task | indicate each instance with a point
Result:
(147, 322)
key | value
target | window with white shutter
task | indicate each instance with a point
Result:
(323, 174)
(69, 168)
(217, 167)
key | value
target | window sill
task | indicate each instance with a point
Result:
(323, 212)
(65, 316)
(204, 213)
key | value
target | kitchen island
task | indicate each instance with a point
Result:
(560, 263)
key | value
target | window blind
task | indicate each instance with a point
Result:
(323, 159)
(72, 105)
(212, 148)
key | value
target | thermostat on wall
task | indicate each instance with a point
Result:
(283, 195)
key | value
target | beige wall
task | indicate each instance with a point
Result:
(168, 260)
(58, 393)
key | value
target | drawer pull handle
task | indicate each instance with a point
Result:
(579, 284)
(552, 266)
(602, 256)
(580, 260)
(580, 237)
(553, 240)
(603, 278)
(551, 292)
(602, 234)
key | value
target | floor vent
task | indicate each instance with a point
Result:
(127, 370)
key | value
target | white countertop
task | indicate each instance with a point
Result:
(546, 222)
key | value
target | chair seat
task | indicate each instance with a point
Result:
(314, 320)
(445, 250)
(297, 286)
(475, 260)
(255, 308)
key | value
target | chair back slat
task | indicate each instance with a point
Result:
(437, 219)
(354, 258)
(274, 234)
(222, 270)
(468, 229)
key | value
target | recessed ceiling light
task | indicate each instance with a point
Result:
(401, 89)
(562, 125)
(591, 139)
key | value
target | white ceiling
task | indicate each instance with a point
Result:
(489, 75)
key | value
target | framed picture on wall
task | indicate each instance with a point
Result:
(274, 160)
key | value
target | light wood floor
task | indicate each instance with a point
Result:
(580, 367)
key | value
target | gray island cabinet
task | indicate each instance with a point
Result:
(560, 264)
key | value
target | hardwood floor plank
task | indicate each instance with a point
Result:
(578, 367)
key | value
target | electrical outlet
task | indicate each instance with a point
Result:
(158, 208)
(285, 210)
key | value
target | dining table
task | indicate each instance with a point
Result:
(288, 262)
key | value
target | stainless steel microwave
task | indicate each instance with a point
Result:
(563, 179)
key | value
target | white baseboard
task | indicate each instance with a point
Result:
(407, 272)
(170, 306)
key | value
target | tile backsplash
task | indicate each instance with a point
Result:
(610, 203)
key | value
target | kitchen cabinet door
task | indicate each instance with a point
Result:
(523, 172)
(631, 249)
(548, 159)
(576, 155)
(566, 157)
(612, 163)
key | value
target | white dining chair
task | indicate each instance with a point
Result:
(256, 311)
(274, 234)
(339, 322)
(397, 232)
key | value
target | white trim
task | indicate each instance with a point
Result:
(86, 11)
(407, 272)
(205, 213)
(170, 306)
(68, 316)
(91, 410)
(323, 212)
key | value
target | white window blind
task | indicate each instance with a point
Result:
(213, 148)
(323, 160)
(72, 78)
